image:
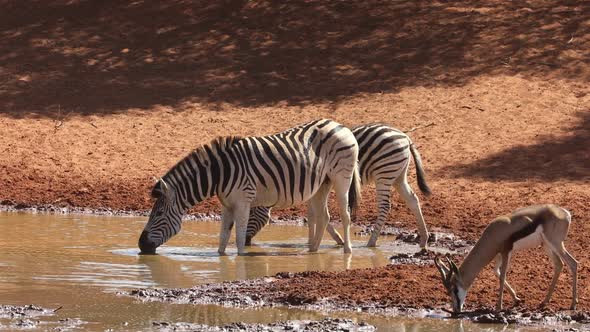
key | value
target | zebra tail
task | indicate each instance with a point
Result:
(421, 176)
(354, 193)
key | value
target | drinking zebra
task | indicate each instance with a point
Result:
(384, 158)
(297, 165)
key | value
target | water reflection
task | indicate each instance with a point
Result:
(196, 267)
(164, 272)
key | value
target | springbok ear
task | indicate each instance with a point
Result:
(454, 269)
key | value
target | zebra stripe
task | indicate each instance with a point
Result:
(384, 158)
(298, 165)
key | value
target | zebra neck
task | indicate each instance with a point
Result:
(191, 181)
(207, 171)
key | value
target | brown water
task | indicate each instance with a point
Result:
(79, 262)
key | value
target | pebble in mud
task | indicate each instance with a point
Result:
(30, 310)
(25, 324)
(324, 325)
(19, 318)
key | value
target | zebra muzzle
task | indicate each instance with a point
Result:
(146, 246)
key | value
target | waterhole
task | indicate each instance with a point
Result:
(78, 263)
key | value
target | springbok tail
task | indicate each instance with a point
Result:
(421, 176)
(354, 193)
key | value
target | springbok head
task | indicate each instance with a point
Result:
(451, 279)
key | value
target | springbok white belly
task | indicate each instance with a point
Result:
(532, 240)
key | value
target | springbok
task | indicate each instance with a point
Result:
(528, 227)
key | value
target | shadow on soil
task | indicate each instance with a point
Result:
(551, 159)
(103, 57)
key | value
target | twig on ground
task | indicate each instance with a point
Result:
(57, 309)
(553, 65)
(571, 39)
(420, 127)
(60, 122)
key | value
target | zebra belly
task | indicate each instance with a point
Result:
(532, 240)
(270, 197)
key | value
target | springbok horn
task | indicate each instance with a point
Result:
(441, 268)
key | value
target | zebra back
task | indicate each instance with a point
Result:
(383, 151)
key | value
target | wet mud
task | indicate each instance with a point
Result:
(31, 316)
(524, 317)
(324, 325)
(281, 290)
(438, 243)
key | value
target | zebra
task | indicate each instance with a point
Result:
(297, 165)
(384, 158)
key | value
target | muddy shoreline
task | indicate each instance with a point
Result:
(324, 325)
(7, 206)
(272, 292)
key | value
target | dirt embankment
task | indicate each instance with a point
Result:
(91, 109)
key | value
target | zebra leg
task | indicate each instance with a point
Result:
(310, 223)
(227, 221)
(335, 235)
(383, 189)
(411, 199)
(341, 187)
(241, 216)
(318, 205)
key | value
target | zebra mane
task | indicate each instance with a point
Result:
(220, 143)
(373, 124)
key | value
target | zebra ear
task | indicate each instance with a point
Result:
(164, 187)
(161, 188)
